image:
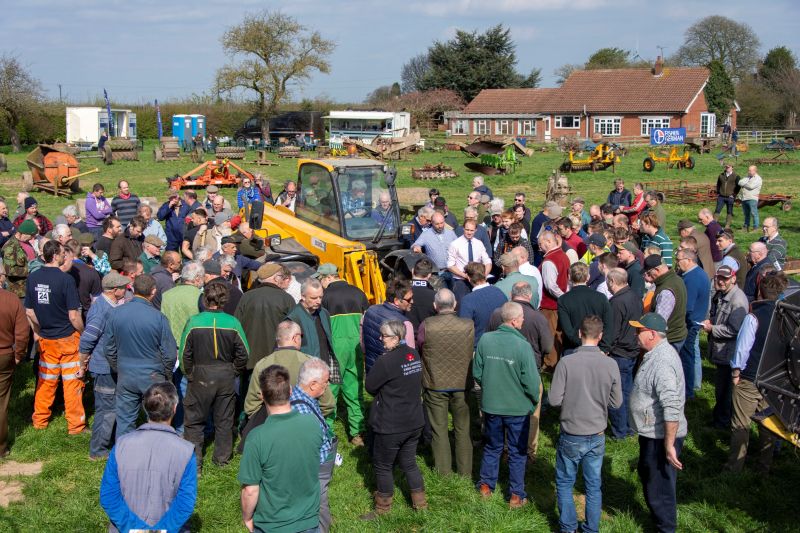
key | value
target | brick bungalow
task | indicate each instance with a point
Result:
(612, 102)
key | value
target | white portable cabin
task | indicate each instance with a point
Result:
(366, 125)
(84, 124)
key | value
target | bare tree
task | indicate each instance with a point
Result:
(732, 43)
(268, 50)
(564, 71)
(787, 87)
(20, 93)
(413, 71)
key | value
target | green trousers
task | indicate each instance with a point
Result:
(438, 405)
(347, 349)
(747, 400)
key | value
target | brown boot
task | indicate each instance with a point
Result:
(418, 501)
(383, 504)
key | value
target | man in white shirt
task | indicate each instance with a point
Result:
(526, 268)
(463, 250)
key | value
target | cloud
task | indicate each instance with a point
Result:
(464, 7)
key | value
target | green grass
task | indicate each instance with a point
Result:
(65, 496)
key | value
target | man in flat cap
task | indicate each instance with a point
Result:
(151, 252)
(93, 359)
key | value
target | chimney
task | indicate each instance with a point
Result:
(658, 68)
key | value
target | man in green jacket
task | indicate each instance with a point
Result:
(505, 368)
(346, 305)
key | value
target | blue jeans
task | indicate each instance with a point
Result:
(587, 452)
(659, 480)
(677, 346)
(181, 383)
(698, 363)
(724, 201)
(750, 207)
(619, 416)
(687, 359)
(104, 415)
(513, 430)
(130, 391)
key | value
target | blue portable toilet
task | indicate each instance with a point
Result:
(182, 128)
(198, 126)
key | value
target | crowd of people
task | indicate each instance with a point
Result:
(164, 319)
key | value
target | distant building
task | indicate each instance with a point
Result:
(611, 102)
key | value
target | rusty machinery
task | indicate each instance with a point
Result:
(683, 192)
(53, 170)
(217, 172)
(672, 159)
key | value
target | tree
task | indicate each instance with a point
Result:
(608, 58)
(787, 86)
(413, 71)
(531, 81)
(20, 94)
(777, 63)
(379, 96)
(268, 50)
(427, 106)
(732, 43)
(563, 72)
(759, 104)
(471, 62)
(719, 91)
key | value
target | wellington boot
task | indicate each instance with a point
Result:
(383, 504)
(728, 220)
(418, 501)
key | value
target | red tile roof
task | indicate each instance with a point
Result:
(601, 91)
(502, 101)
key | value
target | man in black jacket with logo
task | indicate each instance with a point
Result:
(626, 305)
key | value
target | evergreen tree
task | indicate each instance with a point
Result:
(719, 91)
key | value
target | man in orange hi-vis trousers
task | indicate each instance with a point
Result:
(53, 308)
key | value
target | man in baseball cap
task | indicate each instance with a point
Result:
(657, 415)
(325, 269)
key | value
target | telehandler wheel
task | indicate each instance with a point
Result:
(648, 164)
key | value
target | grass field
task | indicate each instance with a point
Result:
(65, 496)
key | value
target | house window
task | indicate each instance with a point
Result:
(481, 127)
(503, 127)
(460, 127)
(648, 123)
(527, 128)
(567, 122)
(708, 124)
(610, 126)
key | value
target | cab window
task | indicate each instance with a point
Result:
(315, 199)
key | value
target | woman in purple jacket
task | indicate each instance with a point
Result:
(97, 209)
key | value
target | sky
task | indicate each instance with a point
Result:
(145, 50)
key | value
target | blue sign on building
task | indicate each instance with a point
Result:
(662, 136)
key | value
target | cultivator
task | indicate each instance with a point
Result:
(433, 172)
(120, 150)
(673, 159)
(682, 192)
(603, 156)
(216, 172)
(781, 145)
(781, 158)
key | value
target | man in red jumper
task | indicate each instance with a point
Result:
(555, 271)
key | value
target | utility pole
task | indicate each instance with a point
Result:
(59, 93)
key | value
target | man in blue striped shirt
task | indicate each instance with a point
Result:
(312, 381)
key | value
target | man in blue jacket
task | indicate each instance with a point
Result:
(697, 302)
(173, 213)
(140, 349)
(150, 480)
